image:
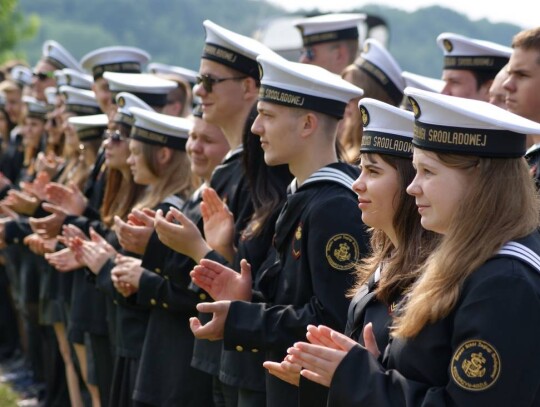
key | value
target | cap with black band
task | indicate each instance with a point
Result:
(454, 125)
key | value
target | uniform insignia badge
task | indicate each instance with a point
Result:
(415, 107)
(475, 365)
(365, 116)
(448, 46)
(121, 101)
(342, 251)
(366, 48)
(261, 72)
(296, 244)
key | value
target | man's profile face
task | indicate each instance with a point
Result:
(462, 83)
(523, 84)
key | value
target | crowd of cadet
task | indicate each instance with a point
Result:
(265, 232)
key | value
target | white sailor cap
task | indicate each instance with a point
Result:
(22, 75)
(329, 27)
(58, 56)
(160, 129)
(82, 102)
(461, 52)
(184, 74)
(304, 86)
(454, 125)
(115, 59)
(148, 87)
(422, 82)
(35, 108)
(50, 95)
(73, 78)
(380, 65)
(533, 151)
(387, 129)
(126, 101)
(233, 50)
(89, 127)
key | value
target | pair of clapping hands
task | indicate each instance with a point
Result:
(317, 360)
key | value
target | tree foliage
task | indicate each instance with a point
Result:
(14, 27)
(172, 32)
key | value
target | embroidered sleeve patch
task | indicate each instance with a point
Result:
(475, 365)
(342, 251)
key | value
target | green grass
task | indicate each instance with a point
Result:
(7, 397)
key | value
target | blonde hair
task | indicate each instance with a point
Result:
(174, 176)
(501, 204)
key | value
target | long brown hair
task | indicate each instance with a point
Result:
(121, 193)
(174, 176)
(500, 204)
(415, 243)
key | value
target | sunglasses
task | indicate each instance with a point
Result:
(309, 53)
(114, 136)
(208, 81)
(42, 76)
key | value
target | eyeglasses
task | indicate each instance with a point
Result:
(42, 76)
(208, 81)
(113, 135)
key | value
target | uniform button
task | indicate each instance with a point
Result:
(166, 277)
(239, 348)
(16, 240)
(254, 350)
(153, 302)
(157, 270)
(115, 302)
(165, 305)
(202, 296)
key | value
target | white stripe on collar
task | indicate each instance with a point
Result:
(523, 253)
(234, 152)
(377, 273)
(325, 174)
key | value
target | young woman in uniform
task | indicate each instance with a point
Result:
(468, 331)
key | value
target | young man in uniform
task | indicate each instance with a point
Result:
(522, 86)
(470, 65)
(330, 41)
(228, 85)
(319, 234)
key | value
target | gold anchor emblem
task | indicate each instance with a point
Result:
(474, 367)
(343, 252)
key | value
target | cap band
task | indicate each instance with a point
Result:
(58, 64)
(293, 99)
(385, 143)
(231, 59)
(380, 77)
(82, 110)
(347, 34)
(477, 63)
(123, 67)
(156, 138)
(123, 118)
(152, 99)
(92, 133)
(480, 142)
(36, 115)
